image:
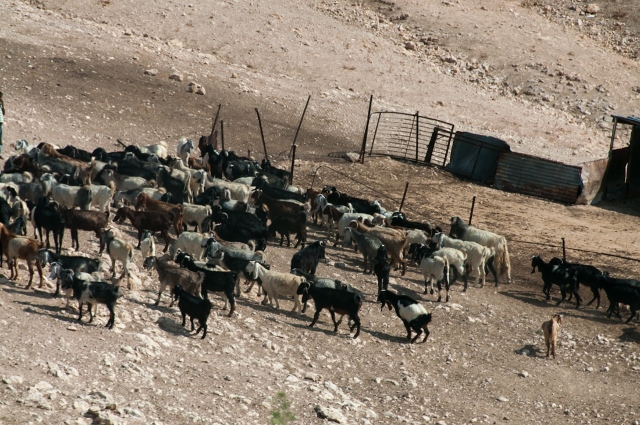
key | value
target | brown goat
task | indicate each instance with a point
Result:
(145, 202)
(393, 239)
(92, 221)
(310, 197)
(153, 221)
(277, 207)
(551, 329)
(20, 248)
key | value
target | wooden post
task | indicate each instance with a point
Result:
(120, 142)
(404, 195)
(564, 251)
(295, 138)
(264, 144)
(417, 133)
(293, 161)
(473, 204)
(215, 121)
(222, 133)
(366, 131)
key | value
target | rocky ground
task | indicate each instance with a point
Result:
(89, 74)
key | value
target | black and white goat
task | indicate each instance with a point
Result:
(413, 314)
(99, 292)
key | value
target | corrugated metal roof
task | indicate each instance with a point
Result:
(538, 177)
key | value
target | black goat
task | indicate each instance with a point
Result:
(624, 291)
(359, 205)
(307, 258)
(286, 224)
(561, 275)
(46, 215)
(196, 308)
(213, 280)
(99, 292)
(325, 282)
(382, 267)
(413, 314)
(75, 153)
(399, 219)
(276, 193)
(587, 275)
(178, 188)
(336, 301)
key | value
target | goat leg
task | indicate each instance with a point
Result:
(333, 317)
(315, 317)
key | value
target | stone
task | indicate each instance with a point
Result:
(12, 380)
(592, 8)
(523, 374)
(329, 413)
(340, 265)
(410, 45)
(502, 399)
(152, 72)
(176, 77)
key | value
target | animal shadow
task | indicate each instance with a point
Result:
(530, 351)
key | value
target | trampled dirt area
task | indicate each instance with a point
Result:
(74, 73)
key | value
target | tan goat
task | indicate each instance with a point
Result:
(551, 329)
(20, 248)
(395, 241)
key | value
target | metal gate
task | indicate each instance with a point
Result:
(409, 137)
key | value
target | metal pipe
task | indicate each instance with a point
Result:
(366, 131)
(293, 161)
(404, 195)
(264, 144)
(473, 204)
(222, 133)
(295, 138)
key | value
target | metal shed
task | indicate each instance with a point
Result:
(476, 156)
(540, 177)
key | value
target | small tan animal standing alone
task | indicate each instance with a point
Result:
(551, 329)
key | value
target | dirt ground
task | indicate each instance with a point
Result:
(74, 73)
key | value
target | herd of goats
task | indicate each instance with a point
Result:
(235, 206)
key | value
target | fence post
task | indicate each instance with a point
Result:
(564, 252)
(222, 133)
(417, 133)
(432, 144)
(300, 124)
(366, 131)
(404, 195)
(473, 204)
(215, 121)
(293, 161)
(264, 144)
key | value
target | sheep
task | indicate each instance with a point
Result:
(477, 255)
(118, 250)
(194, 215)
(336, 301)
(147, 220)
(436, 268)
(75, 220)
(551, 329)
(561, 275)
(394, 240)
(170, 275)
(146, 203)
(75, 263)
(286, 224)
(196, 308)
(382, 267)
(413, 314)
(68, 196)
(20, 248)
(307, 258)
(498, 243)
(110, 177)
(275, 284)
(147, 245)
(192, 243)
(184, 148)
(367, 244)
(212, 280)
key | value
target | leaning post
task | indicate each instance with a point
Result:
(473, 204)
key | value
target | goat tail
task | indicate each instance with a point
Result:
(502, 259)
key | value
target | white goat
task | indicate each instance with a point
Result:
(160, 149)
(347, 218)
(194, 214)
(192, 243)
(239, 192)
(101, 196)
(118, 250)
(147, 245)
(435, 268)
(24, 177)
(185, 146)
(477, 255)
(276, 283)
(122, 182)
(68, 196)
(456, 259)
(497, 242)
